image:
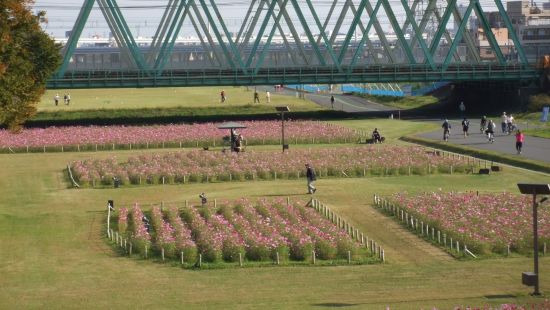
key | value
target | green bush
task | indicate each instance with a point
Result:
(324, 250)
(537, 102)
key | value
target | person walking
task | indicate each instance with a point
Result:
(504, 122)
(256, 97)
(65, 99)
(446, 130)
(56, 99)
(462, 108)
(222, 96)
(520, 138)
(332, 101)
(68, 99)
(268, 96)
(311, 177)
(465, 126)
(483, 124)
(491, 131)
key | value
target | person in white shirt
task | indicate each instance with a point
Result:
(504, 122)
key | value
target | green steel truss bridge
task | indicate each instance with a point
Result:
(299, 42)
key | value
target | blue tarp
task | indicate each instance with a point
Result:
(395, 93)
(309, 88)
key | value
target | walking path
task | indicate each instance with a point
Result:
(533, 148)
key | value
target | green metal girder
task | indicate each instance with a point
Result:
(170, 40)
(424, 22)
(459, 33)
(329, 16)
(511, 31)
(117, 33)
(218, 36)
(160, 33)
(489, 32)
(199, 18)
(369, 43)
(232, 45)
(351, 30)
(203, 44)
(442, 26)
(364, 37)
(381, 34)
(328, 46)
(270, 37)
(308, 32)
(245, 21)
(398, 32)
(68, 51)
(261, 33)
(121, 23)
(418, 34)
(308, 75)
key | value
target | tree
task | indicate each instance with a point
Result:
(28, 57)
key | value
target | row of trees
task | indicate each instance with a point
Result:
(28, 57)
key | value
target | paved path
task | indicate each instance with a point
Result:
(533, 147)
(346, 103)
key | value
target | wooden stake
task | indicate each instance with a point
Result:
(349, 257)
(313, 253)
(130, 251)
(162, 253)
(181, 255)
(277, 254)
(240, 259)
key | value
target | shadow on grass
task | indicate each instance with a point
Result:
(334, 305)
(503, 296)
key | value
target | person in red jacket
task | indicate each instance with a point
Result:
(520, 138)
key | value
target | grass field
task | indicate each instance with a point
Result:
(402, 102)
(191, 97)
(53, 254)
(163, 105)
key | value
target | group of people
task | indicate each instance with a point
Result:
(66, 99)
(223, 96)
(507, 123)
(488, 127)
(237, 141)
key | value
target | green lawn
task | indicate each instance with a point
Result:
(53, 255)
(411, 102)
(531, 125)
(163, 105)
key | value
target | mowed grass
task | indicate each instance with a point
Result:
(163, 105)
(168, 97)
(53, 254)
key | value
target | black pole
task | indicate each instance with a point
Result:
(536, 243)
(283, 130)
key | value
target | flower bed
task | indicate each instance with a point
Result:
(486, 223)
(93, 138)
(209, 166)
(265, 231)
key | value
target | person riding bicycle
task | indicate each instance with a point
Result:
(510, 124)
(446, 129)
(483, 124)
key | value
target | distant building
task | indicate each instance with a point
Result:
(501, 35)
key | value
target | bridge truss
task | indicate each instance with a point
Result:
(292, 41)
